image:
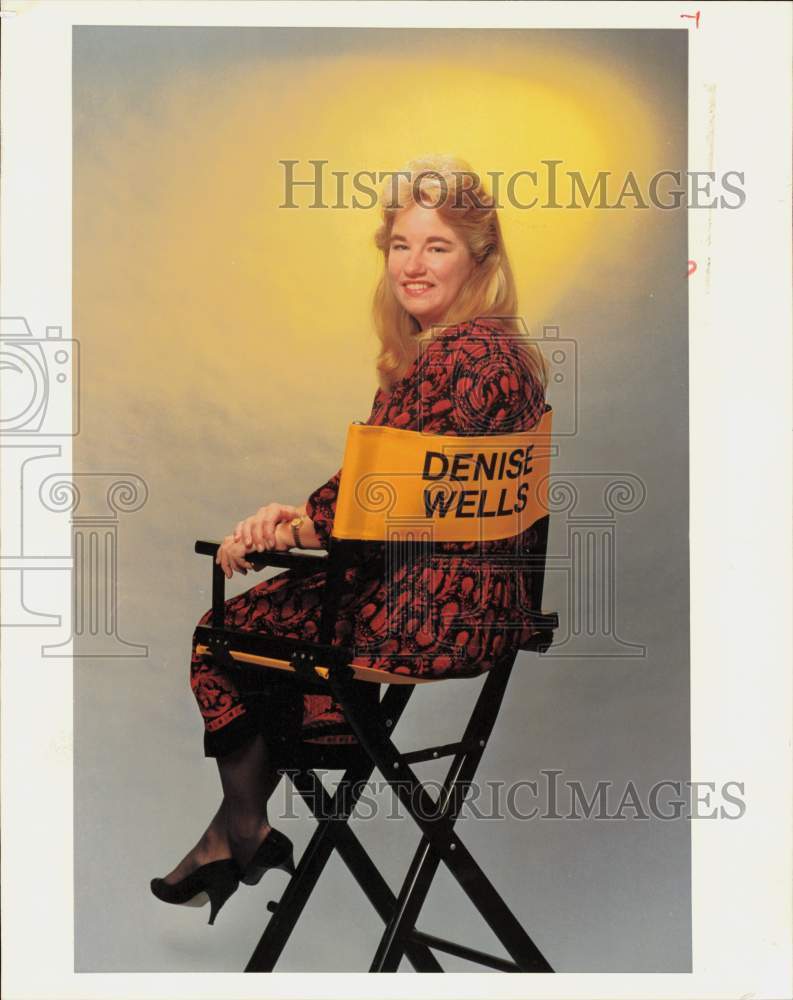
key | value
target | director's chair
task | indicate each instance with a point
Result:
(408, 490)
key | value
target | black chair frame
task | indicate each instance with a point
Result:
(375, 748)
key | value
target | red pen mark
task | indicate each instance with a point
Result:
(692, 266)
(693, 17)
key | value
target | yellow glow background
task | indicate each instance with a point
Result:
(217, 299)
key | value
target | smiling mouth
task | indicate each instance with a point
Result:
(417, 287)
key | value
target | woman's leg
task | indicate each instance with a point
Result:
(238, 709)
(212, 846)
(248, 781)
(240, 824)
(232, 736)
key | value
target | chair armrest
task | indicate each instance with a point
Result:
(544, 620)
(303, 561)
(308, 559)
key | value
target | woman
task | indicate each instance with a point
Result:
(444, 368)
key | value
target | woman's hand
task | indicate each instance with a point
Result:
(230, 557)
(258, 531)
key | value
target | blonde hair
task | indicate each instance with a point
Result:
(447, 184)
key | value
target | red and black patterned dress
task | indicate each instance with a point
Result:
(455, 616)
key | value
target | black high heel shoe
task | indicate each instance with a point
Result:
(215, 881)
(275, 851)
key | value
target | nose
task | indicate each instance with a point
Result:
(414, 264)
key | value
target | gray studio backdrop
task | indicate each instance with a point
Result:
(611, 704)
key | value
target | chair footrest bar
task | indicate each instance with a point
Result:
(446, 750)
(463, 951)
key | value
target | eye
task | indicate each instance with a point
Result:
(440, 249)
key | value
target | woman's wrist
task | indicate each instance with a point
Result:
(285, 534)
(309, 539)
(284, 539)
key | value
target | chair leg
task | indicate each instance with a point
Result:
(439, 832)
(451, 799)
(287, 912)
(363, 869)
(395, 940)
(296, 895)
(331, 832)
(481, 892)
(423, 867)
(290, 905)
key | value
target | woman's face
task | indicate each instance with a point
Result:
(428, 263)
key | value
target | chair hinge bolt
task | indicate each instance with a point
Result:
(389, 723)
(396, 764)
(452, 846)
(481, 743)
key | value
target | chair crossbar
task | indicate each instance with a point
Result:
(463, 951)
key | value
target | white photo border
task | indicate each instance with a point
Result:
(740, 416)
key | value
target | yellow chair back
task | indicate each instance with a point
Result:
(399, 485)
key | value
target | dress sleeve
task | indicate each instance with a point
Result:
(321, 505)
(496, 391)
